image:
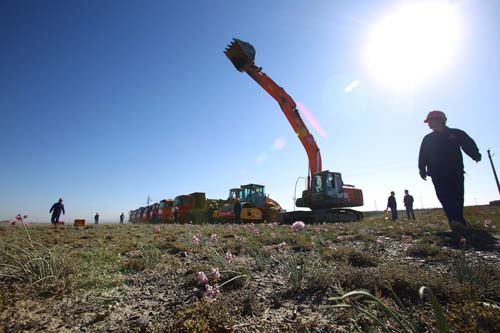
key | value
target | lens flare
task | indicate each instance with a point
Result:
(311, 120)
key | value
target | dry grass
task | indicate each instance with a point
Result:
(146, 281)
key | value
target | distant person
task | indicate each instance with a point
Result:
(237, 211)
(176, 214)
(56, 210)
(122, 217)
(440, 158)
(408, 201)
(391, 204)
(96, 218)
(211, 214)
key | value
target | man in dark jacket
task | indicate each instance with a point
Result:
(408, 201)
(391, 203)
(237, 211)
(56, 210)
(441, 158)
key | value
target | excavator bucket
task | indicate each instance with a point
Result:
(240, 53)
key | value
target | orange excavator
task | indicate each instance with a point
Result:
(326, 195)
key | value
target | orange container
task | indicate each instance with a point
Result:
(79, 223)
(60, 222)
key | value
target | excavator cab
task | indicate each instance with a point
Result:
(240, 53)
(328, 190)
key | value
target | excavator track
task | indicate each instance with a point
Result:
(320, 216)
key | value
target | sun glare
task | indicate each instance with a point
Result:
(414, 43)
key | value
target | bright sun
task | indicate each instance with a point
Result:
(413, 43)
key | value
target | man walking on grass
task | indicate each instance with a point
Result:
(56, 210)
(440, 158)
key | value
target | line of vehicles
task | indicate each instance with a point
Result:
(326, 195)
(196, 208)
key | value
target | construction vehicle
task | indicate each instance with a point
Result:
(165, 210)
(193, 208)
(140, 217)
(326, 195)
(255, 205)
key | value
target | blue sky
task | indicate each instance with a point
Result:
(106, 102)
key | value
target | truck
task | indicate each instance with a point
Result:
(165, 210)
(326, 195)
(193, 208)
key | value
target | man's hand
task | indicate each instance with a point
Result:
(478, 158)
(423, 175)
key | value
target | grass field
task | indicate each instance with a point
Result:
(256, 278)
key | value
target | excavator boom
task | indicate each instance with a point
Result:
(242, 55)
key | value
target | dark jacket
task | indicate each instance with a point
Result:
(57, 208)
(408, 200)
(391, 202)
(237, 208)
(440, 154)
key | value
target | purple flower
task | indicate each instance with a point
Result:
(229, 256)
(196, 240)
(214, 272)
(212, 292)
(281, 247)
(214, 239)
(202, 278)
(298, 225)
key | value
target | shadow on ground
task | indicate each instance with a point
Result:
(479, 240)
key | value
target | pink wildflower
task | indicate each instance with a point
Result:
(487, 223)
(215, 273)
(229, 256)
(273, 235)
(281, 247)
(156, 229)
(212, 292)
(19, 217)
(202, 278)
(298, 225)
(196, 240)
(214, 239)
(317, 229)
(235, 236)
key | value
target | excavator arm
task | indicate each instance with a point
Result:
(242, 56)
